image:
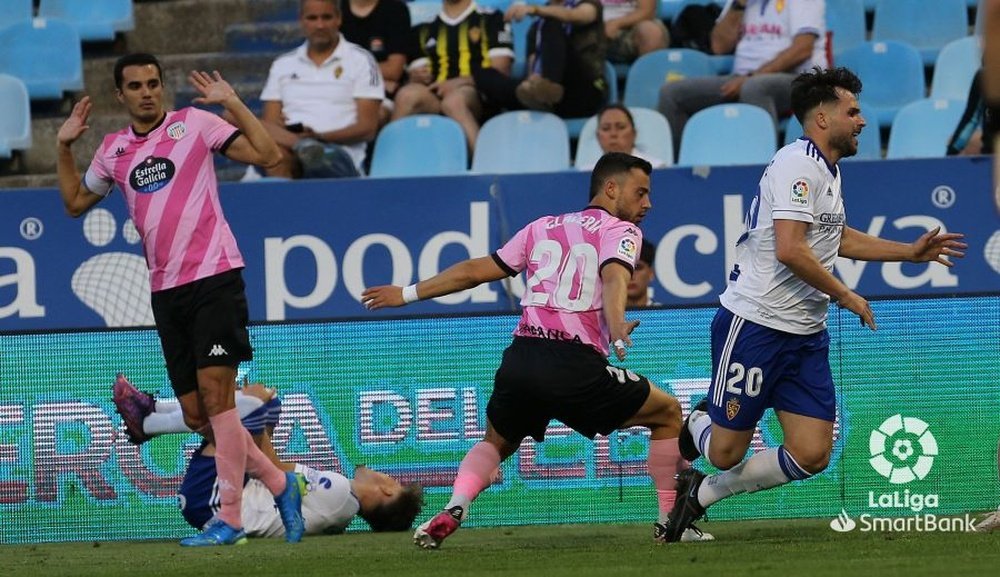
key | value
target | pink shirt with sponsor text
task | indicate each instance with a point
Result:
(168, 179)
(562, 257)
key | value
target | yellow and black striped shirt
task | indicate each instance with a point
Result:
(461, 48)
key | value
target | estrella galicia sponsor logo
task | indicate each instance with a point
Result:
(152, 174)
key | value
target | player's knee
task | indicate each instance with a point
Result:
(195, 422)
(813, 460)
(725, 458)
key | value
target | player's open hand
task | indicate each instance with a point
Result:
(382, 296)
(76, 124)
(620, 337)
(213, 89)
(933, 246)
(859, 306)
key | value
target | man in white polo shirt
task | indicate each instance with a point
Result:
(773, 41)
(321, 100)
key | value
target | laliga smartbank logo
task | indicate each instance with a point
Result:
(903, 451)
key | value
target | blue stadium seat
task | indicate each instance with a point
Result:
(869, 143)
(522, 141)
(728, 134)
(93, 19)
(892, 74)
(422, 11)
(15, 122)
(922, 128)
(652, 137)
(955, 67)
(846, 20)
(575, 125)
(651, 71)
(420, 145)
(927, 25)
(45, 54)
(15, 11)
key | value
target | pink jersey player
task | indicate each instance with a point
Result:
(563, 256)
(169, 183)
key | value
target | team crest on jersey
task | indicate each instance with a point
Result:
(177, 130)
(627, 249)
(779, 6)
(338, 71)
(732, 408)
(475, 34)
(800, 192)
(152, 174)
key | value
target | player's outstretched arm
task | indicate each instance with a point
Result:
(464, 275)
(255, 146)
(931, 246)
(76, 198)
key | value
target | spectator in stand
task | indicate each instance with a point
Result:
(633, 29)
(773, 41)
(449, 58)
(616, 132)
(978, 126)
(322, 100)
(991, 78)
(566, 54)
(638, 290)
(381, 27)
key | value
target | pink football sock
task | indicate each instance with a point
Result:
(663, 464)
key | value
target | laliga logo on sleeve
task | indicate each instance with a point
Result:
(894, 449)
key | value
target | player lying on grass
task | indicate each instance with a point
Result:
(329, 502)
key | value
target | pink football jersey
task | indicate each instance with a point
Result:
(563, 256)
(168, 179)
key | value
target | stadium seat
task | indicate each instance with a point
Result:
(845, 19)
(651, 71)
(422, 11)
(728, 134)
(94, 20)
(575, 125)
(420, 145)
(892, 74)
(652, 137)
(522, 141)
(869, 143)
(955, 67)
(45, 54)
(927, 25)
(15, 122)
(15, 11)
(922, 128)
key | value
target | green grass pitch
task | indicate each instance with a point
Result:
(784, 547)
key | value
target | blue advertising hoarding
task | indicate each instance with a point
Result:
(312, 246)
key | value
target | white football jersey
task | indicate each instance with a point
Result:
(798, 184)
(328, 507)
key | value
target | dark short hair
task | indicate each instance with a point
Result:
(647, 253)
(614, 164)
(398, 514)
(818, 86)
(334, 3)
(136, 59)
(616, 106)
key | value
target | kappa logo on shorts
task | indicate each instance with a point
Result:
(217, 351)
(732, 408)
